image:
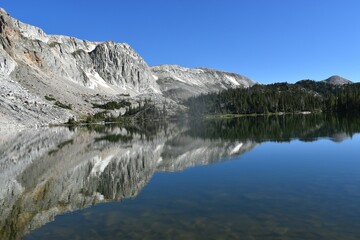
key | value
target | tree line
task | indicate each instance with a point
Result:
(280, 128)
(303, 96)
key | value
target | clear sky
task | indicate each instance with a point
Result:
(266, 40)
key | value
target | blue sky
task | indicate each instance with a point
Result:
(268, 41)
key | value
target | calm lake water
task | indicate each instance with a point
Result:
(288, 177)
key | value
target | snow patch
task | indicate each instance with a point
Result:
(191, 81)
(96, 80)
(100, 165)
(232, 80)
(196, 82)
(155, 77)
(198, 71)
(306, 112)
(158, 147)
(155, 90)
(179, 79)
(91, 47)
(99, 196)
(237, 148)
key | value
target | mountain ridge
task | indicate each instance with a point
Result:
(75, 73)
(180, 83)
(49, 79)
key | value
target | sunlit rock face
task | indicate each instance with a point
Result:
(34, 65)
(100, 66)
(120, 65)
(180, 83)
(77, 72)
(52, 171)
(337, 80)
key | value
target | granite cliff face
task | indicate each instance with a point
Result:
(36, 67)
(52, 171)
(120, 65)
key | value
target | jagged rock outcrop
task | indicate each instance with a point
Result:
(337, 80)
(114, 67)
(180, 83)
(34, 65)
(78, 73)
(120, 65)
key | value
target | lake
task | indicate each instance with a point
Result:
(278, 177)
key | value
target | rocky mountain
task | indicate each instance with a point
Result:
(180, 83)
(41, 73)
(337, 80)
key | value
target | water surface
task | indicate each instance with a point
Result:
(294, 177)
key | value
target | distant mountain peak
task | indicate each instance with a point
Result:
(337, 80)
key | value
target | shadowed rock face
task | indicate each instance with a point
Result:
(79, 72)
(47, 172)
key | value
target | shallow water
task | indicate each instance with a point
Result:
(185, 183)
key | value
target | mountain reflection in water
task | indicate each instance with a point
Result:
(51, 171)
